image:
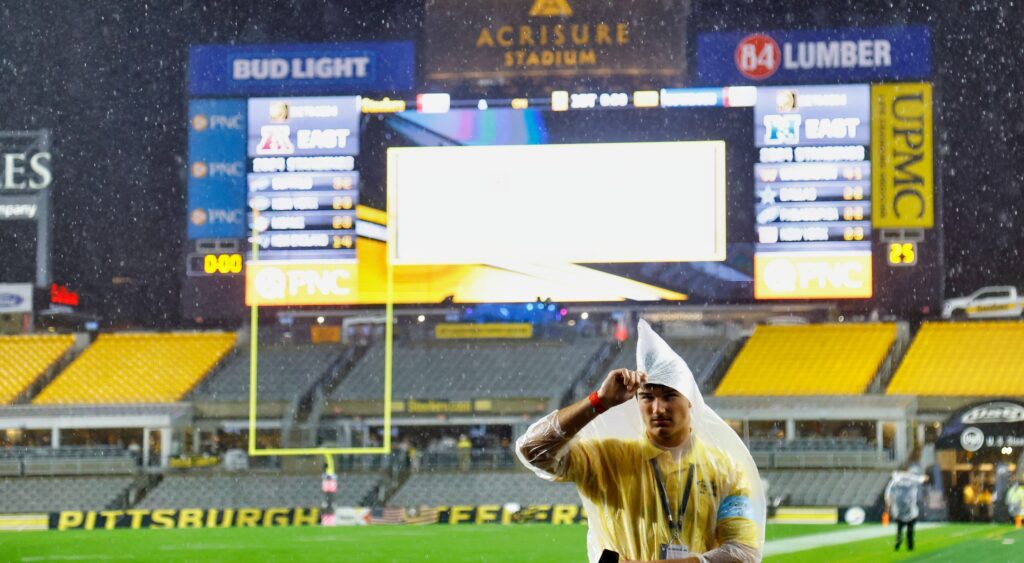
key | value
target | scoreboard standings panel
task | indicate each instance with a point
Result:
(798, 196)
(303, 187)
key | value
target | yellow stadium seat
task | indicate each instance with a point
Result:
(962, 360)
(835, 359)
(138, 368)
(25, 358)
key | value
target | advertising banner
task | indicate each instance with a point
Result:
(483, 330)
(15, 298)
(297, 69)
(217, 173)
(512, 513)
(137, 518)
(508, 39)
(812, 275)
(815, 56)
(995, 425)
(903, 183)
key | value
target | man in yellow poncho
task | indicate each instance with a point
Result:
(662, 477)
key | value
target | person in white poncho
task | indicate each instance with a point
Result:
(662, 477)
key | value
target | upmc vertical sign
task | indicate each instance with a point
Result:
(903, 190)
(816, 56)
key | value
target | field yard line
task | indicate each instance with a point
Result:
(33, 558)
(801, 543)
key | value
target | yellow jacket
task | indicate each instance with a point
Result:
(617, 476)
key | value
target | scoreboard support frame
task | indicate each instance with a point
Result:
(389, 326)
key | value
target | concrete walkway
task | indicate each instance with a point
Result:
(801, 543)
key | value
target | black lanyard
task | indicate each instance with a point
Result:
(676, 526)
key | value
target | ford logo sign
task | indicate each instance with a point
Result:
(998, 411)
(10, 300)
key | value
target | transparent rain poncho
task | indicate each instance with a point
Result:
(722, 454)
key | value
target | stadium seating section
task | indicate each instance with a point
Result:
(258, 491)
(834, 359)
(138, 368)
(963, 359)
(284, 372)
(24, 358)
(52, 494)
(467, 371)
(443, 489)
(827, 487)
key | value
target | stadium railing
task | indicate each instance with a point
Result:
(67, 460)
(479, 459)
(824, 459)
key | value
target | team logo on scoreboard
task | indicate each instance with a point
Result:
(200, 122)
(199, 217)
(782, 129)
(278, 112)
(786, 100)
(199, 169)
(275, 139)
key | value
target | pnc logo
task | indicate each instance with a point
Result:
(200, 122)
(551, 8)
(199, 217)
(302, 283)
(779, 275)
(200, 170)
(231, 122)
(234, 169)
(213, 216)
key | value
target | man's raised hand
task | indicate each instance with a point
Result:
(620, 386)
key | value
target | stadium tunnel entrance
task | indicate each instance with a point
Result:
(980, 454)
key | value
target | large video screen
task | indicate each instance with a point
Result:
(683, 196)
(477, 205)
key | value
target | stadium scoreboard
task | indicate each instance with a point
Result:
(571, 196)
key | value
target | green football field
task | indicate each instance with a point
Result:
(483, 544)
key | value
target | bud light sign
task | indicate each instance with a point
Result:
(333, 68)
(793, 57)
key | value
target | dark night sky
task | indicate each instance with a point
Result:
(108, 78)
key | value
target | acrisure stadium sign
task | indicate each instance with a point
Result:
(487, 40)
